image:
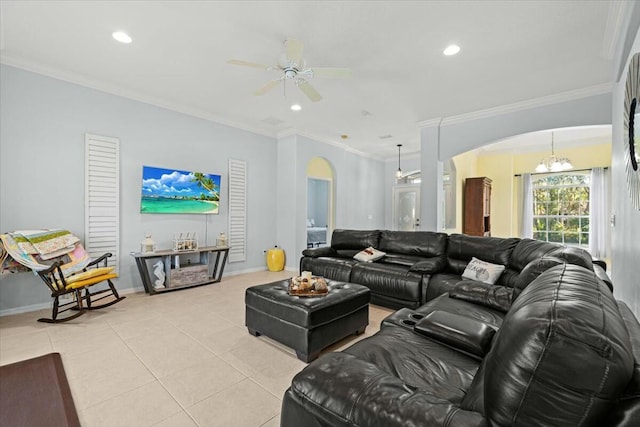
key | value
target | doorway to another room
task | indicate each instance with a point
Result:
(319, 202)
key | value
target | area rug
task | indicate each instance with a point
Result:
(36, 393)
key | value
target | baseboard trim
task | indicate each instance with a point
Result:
(125, 291)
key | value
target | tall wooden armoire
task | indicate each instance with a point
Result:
(477, 206)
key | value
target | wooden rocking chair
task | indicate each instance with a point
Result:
(91, 275)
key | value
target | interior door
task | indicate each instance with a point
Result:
(406, 207)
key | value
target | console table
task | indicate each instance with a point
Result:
(182, 269)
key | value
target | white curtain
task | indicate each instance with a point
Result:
(599, 213)
(526, 206)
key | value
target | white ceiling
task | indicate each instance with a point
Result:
(511, 51)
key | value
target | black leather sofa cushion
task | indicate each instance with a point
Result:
(441, 283)
(496, 297)
(528, 250)
(419, 243)
(355, 239)
(388, 279)
(334, 268)
(417, 361)
(495, 250)
(533, 270)
(575, 256)
(326, 251)
(460, 332)
(383, 399)
(429, 266)
(400, 259)
(562, 355)
(627, 411)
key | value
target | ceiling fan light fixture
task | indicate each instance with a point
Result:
(451, 50)
(122, 37)
(296, 107)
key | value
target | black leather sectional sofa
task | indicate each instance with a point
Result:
(564, 354)
(420, 266)
(546, 345)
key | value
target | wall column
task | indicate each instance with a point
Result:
(431, 176)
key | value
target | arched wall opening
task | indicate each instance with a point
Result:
(320, 218)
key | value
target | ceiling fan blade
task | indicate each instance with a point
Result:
(331, 72)
(294, 50)
(247, 64)
(308, 90)
(266, 88)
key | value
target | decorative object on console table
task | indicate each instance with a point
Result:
(221, 240)
(148, 245)
(185, 241)
(477, 206)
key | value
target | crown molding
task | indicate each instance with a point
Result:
(529, 104)
(429, 122)
(81, 80)
(318, 138)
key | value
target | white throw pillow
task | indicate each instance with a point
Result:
(369, 255)
(483, 271)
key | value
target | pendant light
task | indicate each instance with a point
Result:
(553, 163)
(399, 171)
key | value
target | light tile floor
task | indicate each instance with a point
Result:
(176, 359)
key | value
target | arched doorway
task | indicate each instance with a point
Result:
(320, 205)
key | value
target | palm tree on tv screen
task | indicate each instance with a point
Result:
(206, 183)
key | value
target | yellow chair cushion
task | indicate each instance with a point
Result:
(91, 281)
(89, 274)
(85, 275)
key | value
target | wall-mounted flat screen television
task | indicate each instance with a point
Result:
(172, 191)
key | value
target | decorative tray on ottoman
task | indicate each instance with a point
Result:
(304, 287)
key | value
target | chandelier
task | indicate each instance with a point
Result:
(553, 163)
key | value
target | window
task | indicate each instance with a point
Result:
(561, 209)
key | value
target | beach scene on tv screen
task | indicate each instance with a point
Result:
(175, 191)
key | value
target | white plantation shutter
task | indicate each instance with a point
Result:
(237, 210)
(102, 197)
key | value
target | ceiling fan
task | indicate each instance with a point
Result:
(293, 67)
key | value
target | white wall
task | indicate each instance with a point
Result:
(625, 245)
(43, 122)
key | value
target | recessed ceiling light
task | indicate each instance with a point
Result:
(451, 50)
(122, 37)
(296, 107)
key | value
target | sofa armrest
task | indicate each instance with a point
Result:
(460, 332)
(602, 275)
(344, 390)
(492, 296)
(318, 252)
(429, 265)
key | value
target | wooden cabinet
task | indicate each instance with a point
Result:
(477, 206)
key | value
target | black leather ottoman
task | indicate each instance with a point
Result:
(307, 324)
